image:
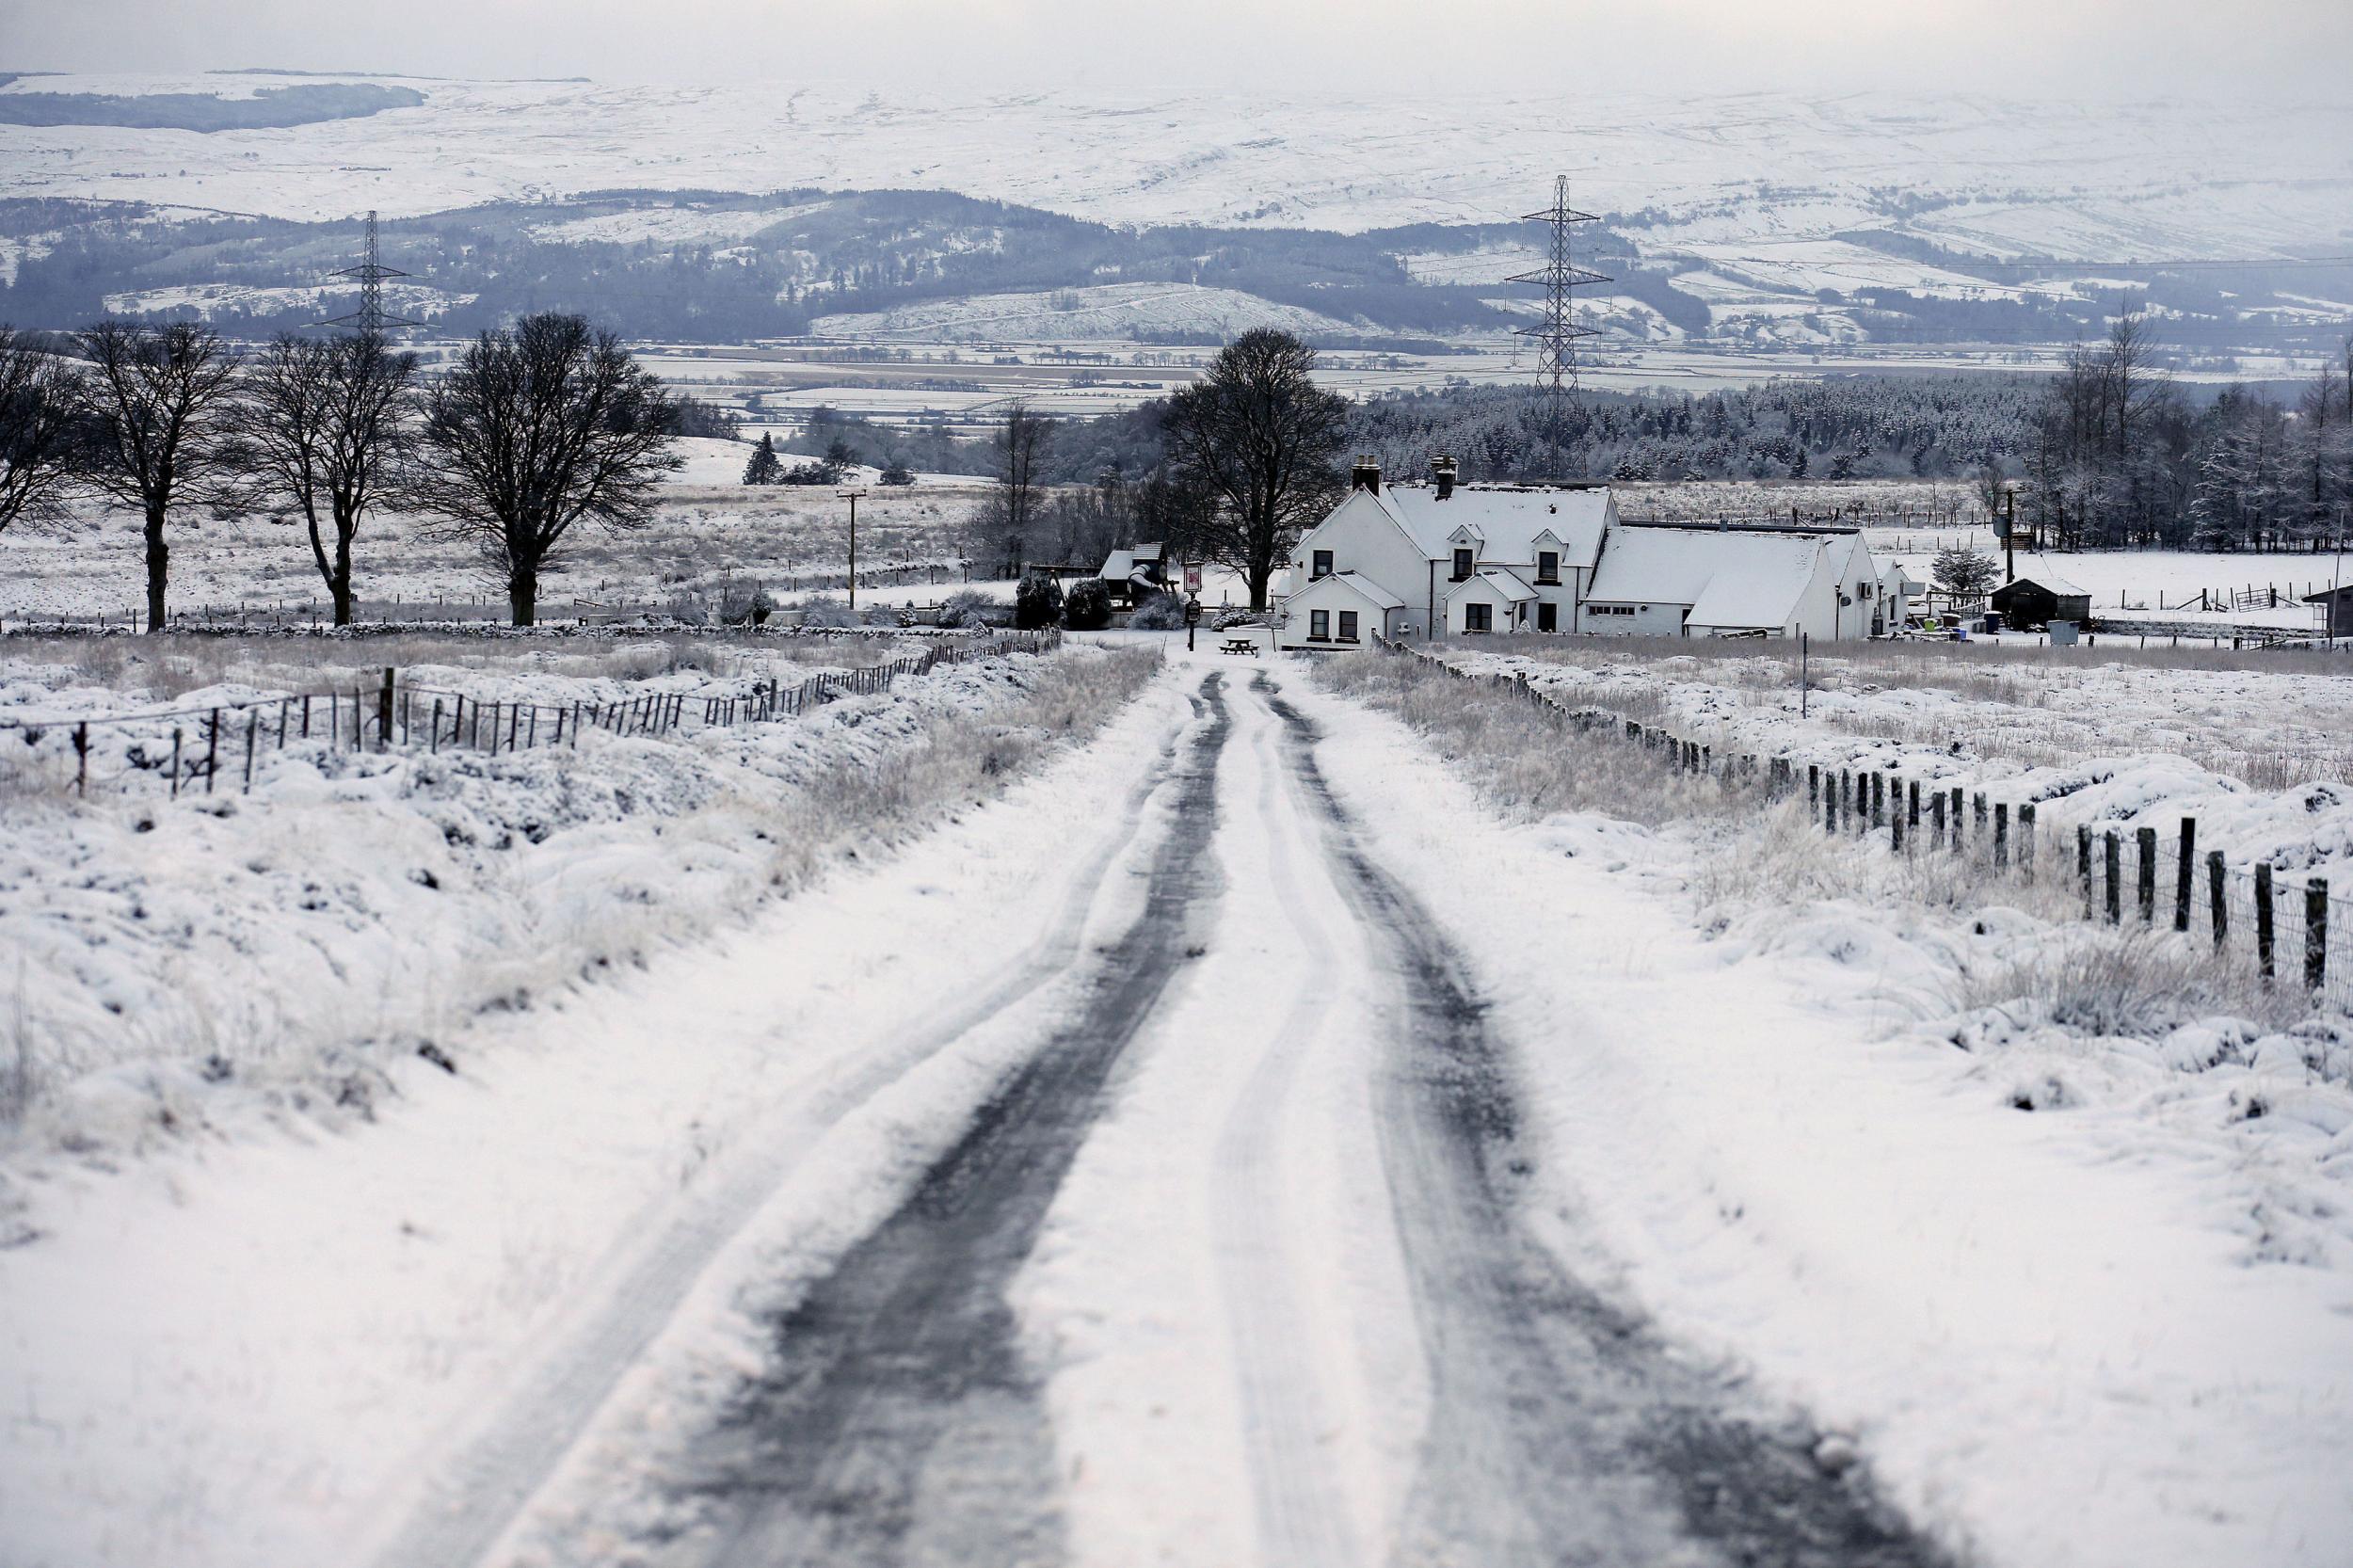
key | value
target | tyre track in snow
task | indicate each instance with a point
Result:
(1301, 1521)
(1562, 1429)
(901, 1424)
(474, 1484)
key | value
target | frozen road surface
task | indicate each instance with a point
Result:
(1227, 1267)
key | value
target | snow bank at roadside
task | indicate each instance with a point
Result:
(2082, 1298)
(2123, 730)
(183, 964)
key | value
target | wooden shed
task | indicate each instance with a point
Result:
(2032, 602)
(2336, 618)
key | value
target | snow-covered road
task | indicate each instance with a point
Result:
(1230, 1148)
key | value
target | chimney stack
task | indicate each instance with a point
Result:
(1442, 475)
(1366, 475)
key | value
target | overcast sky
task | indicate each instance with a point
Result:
(2105, 48)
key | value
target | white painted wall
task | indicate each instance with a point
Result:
(1653, 620)
(1363, 539)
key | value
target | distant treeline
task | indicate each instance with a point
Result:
(305, 103)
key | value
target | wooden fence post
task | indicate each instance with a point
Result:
(384, 712)
(2186, 873)
(2001, 836)
(81, 758)
(1980, 811)
(2263, 919)
(434, 746)
(1911, 806)
(2218, 903)
(1830, 804)
(2146, 842)
(1936, 819)
(211, 749)
(1955, 822)
(2115, 867)
(1895, 822)
(2083, 865)
(252, 724)
(2025, 840)
(2315, 932)
(1812, 786)
(175, 762)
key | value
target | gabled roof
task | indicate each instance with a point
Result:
(1117, 565)
(1364, 587)
(2058, 587)
(1736, 578)
(1504, 584)
(1506, 518)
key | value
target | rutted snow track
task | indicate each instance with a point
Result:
(1229, 1270)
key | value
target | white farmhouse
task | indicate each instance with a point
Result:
(1445, 559)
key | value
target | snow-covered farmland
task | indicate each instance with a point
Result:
(1094, 313)
(714, 533)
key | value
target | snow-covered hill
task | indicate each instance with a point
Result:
(1705, 175)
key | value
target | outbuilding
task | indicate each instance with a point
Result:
(2032, 602)
(2336, 610)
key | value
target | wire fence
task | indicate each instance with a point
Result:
(2293, 928)
(208, 749)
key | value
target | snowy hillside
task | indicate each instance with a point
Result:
(2053, 178)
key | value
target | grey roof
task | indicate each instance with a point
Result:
(1738, 578)
(1364, 586)
(1506, 518)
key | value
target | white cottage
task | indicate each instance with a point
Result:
(1447, 560)
(1460, 557)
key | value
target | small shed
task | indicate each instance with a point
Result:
(2336, 609)
(2030, 603)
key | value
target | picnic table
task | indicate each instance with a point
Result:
(1240, 645)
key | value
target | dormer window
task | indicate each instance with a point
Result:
(1322, 564)
(1548, 566)
(1462, 564)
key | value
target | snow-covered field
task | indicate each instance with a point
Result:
(714, 533)
(1103, 312)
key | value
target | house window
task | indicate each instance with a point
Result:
(1322, 566)
(1477, 618)
(1348, 626)
(1547, 565)
(1547, 618)
(1610, 609)
(1462, 565)
(1318, 626)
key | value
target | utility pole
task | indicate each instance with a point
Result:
(2010, 535)
(851, 495)
(1805, 674)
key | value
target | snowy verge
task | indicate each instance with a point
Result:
(182, 967)
(2069, 1336)
(343, 1339)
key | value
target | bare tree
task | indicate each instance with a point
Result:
(39, 392)
(326, 429)
(537, 428)
(1259, 434)
(161, 429)
(1012, 515)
